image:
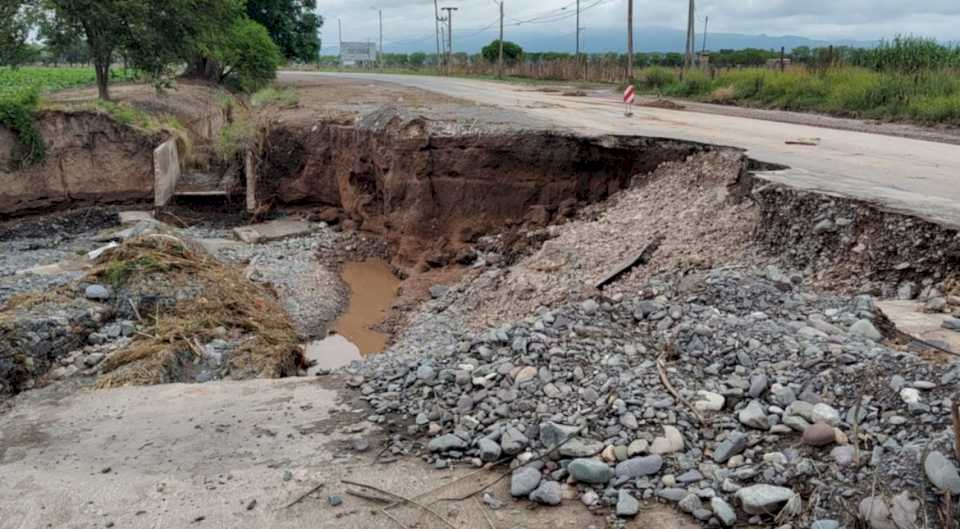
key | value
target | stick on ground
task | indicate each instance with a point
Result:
(405, 499)
(662, 370)
(304, 495)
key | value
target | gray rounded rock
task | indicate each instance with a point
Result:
(587, 470)
(548, 493)
(627, 505)
(524, 481)
(97, 292)
(764, 499)
(639, 466)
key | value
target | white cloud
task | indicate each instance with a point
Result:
(413, 20)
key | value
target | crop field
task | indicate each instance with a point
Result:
(51, 79)
(930, 96)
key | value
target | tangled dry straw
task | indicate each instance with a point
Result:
(225, 299)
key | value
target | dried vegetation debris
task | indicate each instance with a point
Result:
(188, 298)
(157, 308)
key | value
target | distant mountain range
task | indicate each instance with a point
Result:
(598, 40)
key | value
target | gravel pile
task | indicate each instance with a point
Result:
(768, 376)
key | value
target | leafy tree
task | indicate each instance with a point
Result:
(417, 59)
(153, 33)
(105, 26)
(512, 51)
(62, 43)
(293, 25)
(17, 19)
(802, 55)
(243, 55)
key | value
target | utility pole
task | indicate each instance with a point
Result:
(340, 40)
(500, 56)
(629, 39)
(449, 11)
(578, 30)
(380, 55)
(705, 22)
(436, 16)
(688, 59)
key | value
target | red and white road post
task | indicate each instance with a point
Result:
(629, 94)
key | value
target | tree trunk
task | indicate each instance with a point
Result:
(102, 68)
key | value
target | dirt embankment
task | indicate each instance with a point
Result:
(91, 158)
(433, 195)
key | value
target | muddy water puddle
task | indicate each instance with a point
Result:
(373, 288)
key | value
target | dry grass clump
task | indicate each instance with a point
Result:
(224, 298)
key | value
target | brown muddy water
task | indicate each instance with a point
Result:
(373, 288)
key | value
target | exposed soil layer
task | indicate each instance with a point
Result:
(432, 195)
(90, 159)
(851, 244)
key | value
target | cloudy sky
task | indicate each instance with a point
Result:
(410, 22)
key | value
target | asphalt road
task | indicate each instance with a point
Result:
(912, 176)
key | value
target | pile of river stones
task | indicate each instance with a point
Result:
(788, 406)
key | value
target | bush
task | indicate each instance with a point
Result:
(511, 52)
(245, 56)
(236, 137)
(656, 77)
(938, 109)
(694, 83)
(17, 107)
(284, 97)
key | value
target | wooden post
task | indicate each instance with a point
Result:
(782, 63)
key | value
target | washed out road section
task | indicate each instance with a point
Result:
(898, 174)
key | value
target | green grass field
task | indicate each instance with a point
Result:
(925, 96)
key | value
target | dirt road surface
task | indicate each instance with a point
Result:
(230, 455)
(898, 174)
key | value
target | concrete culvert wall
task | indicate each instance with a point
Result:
(436, 193)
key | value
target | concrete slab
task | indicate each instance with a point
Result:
(133, 217)
(166, 172)
(55, 269)
(273, 230)
(212, 246)
(909, 317)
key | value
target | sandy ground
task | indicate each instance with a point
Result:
(231, 455)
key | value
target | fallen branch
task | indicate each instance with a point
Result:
(955, 413)
(193, 347)
(662, 370)
(405, 499)
(136, 312)
(304, 495)
(642, 257)
(369, 497)
(392, 517)
(483, 511)
(856, 427)
(380, 453)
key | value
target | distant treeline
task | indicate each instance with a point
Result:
(901, 54)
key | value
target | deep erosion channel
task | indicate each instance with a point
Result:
(433, 195)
